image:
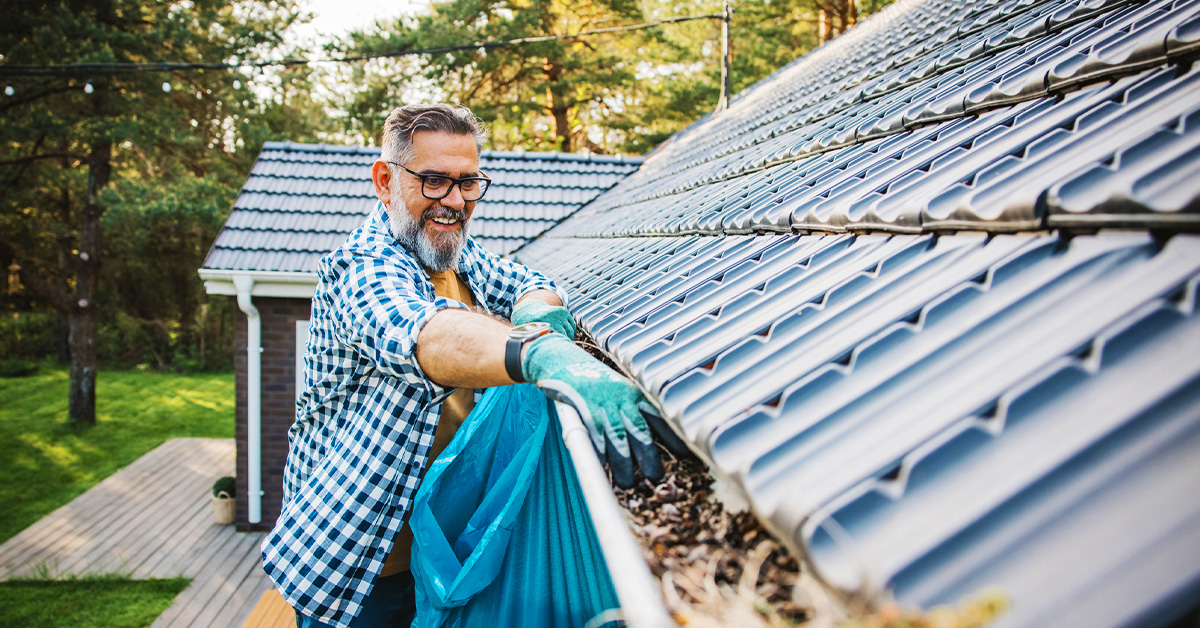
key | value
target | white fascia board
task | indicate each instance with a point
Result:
(287, 285)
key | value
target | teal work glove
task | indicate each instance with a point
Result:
(535, 311)
(616, 413)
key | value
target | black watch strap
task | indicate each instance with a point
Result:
(512, 359)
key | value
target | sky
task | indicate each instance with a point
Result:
(337, 17)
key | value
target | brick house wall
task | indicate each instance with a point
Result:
(279, 318)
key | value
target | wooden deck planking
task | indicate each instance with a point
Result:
(226, 592)
(98, 503)
(246, 603)
(149, 531)
(233, 564)
(271, 611)
(79, 526)
(160, 562)
(137, 522)
(153, 519)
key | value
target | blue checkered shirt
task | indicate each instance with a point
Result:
(366, 418)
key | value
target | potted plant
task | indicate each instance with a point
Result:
(223, 492)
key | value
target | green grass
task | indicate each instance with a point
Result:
(47, 462)
(90, 602)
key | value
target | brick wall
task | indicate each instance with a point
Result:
(279, 318)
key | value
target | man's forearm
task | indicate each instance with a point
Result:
(462, 349)
(545, 296)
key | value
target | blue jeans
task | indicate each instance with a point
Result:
(391, 604)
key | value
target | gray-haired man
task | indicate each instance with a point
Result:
(394, 331)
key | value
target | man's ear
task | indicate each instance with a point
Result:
(382, 177)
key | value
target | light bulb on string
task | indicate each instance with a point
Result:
(166, 86)
(87, 89)
(237, 84)
(8, 90)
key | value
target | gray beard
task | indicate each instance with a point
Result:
(438, 256)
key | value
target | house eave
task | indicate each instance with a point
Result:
(295, 285)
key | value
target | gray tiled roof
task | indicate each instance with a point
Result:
(301, 200)
(913, 408)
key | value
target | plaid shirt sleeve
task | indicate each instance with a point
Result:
(501, 282)
(378, 311)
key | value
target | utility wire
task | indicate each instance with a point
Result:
(92, 69)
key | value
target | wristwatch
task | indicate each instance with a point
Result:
(517, 337)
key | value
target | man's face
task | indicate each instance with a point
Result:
(435, 230)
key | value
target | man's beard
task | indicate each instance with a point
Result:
(442, 251)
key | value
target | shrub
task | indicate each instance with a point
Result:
(28, 335)
(16, 367)
(225, 485)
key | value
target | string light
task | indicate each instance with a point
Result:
(21, 69)
(87, 89)
(8, 90)
(237, 84)
(166, 86)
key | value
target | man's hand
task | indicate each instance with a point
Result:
(536, 311)
(618, 416)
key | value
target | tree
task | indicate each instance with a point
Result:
(548, 95)
(624, 91)
(78, 144)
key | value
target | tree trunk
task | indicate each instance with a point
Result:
(62, 334)
(81, 319)
(62, 339)
(558, 105)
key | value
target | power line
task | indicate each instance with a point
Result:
(92, 69)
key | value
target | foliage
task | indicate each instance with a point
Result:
(47, 461)
(981, 610)
(87, 602)
(16, 367)
(27, 335)
(227, 485)
(624, 91)
(177, 158)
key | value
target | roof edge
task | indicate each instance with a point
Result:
(264, 283)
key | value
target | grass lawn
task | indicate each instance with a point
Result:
(100, 602)
(47, 463)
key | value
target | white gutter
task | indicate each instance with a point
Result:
(244, 285)
(286, 285)
(637, 590)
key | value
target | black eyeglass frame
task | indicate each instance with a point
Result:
(485, 183)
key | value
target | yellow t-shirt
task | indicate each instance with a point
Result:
(455, 409)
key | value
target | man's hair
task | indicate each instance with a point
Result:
(405, 121)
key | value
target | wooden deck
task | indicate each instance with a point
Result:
(153, 519)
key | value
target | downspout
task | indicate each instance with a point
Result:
(637, 590)
(243, 285)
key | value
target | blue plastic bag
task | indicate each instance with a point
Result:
(501, 534)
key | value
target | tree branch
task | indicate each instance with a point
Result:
(54, 155)
(19, 101)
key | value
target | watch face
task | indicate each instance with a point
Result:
(529, 330)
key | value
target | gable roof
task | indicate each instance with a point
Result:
(923, 297)
(301, 200)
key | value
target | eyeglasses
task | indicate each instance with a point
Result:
(435, 187)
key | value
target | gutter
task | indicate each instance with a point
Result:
(637, 589)
(244, 285)
(293, 285)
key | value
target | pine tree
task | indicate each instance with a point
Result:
(77, 144)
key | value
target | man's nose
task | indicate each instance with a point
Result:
(454, 199)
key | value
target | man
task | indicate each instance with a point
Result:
(392, 335)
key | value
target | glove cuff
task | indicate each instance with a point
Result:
(548, 353)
